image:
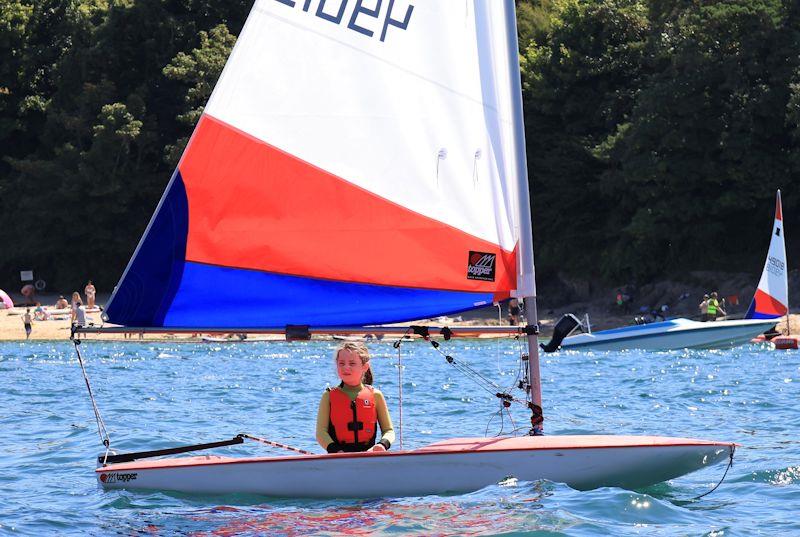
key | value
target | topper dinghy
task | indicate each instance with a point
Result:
(371, 161)
(451, 466)
(769, 304)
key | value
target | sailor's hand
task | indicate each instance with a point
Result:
(377, 447)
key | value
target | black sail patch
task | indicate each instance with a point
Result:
(481, 266)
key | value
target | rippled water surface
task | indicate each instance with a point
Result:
(157, 395)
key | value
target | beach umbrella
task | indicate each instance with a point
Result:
(5, 301)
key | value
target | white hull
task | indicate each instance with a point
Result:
(673, 334)
(453, 466)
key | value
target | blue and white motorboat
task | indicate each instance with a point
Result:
(769, 304)
(672, 334)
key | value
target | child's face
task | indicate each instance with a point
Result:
(350, 368)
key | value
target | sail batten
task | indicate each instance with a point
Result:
(337, 155)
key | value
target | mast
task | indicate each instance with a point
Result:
(779, 210)
(526, 271)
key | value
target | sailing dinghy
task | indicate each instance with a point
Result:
(369, 161)
(769, 304)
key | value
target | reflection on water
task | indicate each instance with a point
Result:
(512, 510)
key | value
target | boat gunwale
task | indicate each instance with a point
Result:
(131, 466)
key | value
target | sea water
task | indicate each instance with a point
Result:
(156, 395)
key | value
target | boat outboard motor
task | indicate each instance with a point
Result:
(564, 327)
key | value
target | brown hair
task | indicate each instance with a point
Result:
(359, 349)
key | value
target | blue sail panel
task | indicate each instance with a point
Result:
(149, 284)
(221, 297)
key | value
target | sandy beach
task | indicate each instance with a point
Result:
(58, 327)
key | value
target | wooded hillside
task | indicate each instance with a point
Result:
(657, 131)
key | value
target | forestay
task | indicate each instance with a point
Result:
(771, 299)
(354, 165)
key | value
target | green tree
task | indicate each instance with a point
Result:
(199, 71)
(578, 87)
(707, 143)
(88, 160)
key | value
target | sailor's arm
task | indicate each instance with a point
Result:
(385, 421)
(323, 419)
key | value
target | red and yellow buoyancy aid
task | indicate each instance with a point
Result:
(354, 423)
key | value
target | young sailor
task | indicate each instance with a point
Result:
(349, 414)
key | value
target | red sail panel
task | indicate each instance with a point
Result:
(254, 206)
(767, 306)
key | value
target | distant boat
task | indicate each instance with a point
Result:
(769, 304)
(355, 168)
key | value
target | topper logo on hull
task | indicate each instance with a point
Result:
(358, 17)
(115, 477)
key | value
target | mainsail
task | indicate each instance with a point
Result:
(771, 299)
(342, 174)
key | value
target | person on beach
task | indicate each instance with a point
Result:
(350, 413)
(79, 314)
(27, 321)
(61, 303)
(40, 314)
(90, 292)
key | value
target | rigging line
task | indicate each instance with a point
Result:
(274, 444)
(481, 381)
(471, 374)
(101, 426)
(730, 464)
(491, 419)
(467, 369)
(474, 378)
(474, 375)
(396, 345)
(453, 361)
(400, 391)
(510, 417)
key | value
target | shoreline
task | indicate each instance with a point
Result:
(12, 328)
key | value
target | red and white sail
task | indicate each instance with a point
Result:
(772, 296)
(357, 155)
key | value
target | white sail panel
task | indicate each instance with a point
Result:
(420, 118)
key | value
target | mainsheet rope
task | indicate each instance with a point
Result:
(275, 444)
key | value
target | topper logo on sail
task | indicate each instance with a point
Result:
(775, 266)
(480, 266)
(358, 19)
